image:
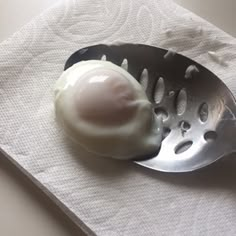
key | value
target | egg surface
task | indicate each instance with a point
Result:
(105, 110)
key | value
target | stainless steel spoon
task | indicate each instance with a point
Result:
(198, 110)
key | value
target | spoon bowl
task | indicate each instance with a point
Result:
(197, 108)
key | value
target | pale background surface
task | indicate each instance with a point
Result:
(221, 13)
(24, 209)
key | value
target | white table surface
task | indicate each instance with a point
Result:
(23, 209)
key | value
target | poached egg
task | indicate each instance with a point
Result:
(105, 110)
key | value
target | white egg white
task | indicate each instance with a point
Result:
(139, 136)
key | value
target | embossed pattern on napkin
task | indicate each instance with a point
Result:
(110, 197)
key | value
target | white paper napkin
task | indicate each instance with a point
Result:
(107, 197)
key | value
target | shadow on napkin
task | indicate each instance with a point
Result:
(102, 167)
(221, 174)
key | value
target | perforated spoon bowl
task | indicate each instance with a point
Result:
(197, 108)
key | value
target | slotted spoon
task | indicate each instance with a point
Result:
(197, 108)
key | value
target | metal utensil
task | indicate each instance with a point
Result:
(198, 109)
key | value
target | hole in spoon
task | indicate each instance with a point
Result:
(183, 147)
(184, 126)
(144, 79)
(161, 112)
(104, 57)
(210, 136)
(191, 72)
(203, 112)
(159, 90)
(169, 55)
(181, 102)
(124, 64)
(171, 93)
